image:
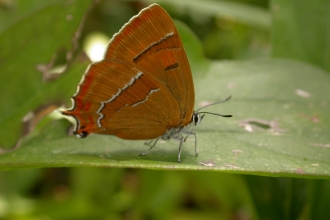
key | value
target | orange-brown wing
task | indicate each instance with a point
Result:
(119, 99)
(151, 42)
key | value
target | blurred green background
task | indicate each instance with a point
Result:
(228, 30)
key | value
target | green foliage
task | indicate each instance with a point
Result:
(280, 128)
(301, 31)
(285, 138)
(30, 44)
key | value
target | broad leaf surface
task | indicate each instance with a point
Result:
(261, 89)
(280, 127)
(301, 31)
(27, 45)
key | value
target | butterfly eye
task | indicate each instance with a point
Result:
(197, 118)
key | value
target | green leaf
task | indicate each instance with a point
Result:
(11, 11)
(32, 42)
(280, 125)
(301, 31)
(261, 89)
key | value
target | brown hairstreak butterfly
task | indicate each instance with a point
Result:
(143, 88)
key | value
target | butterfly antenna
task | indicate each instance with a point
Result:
(211, 113)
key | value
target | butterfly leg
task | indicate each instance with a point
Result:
(150, 142)
(192, 133)
(196, 153)
(152, 146)
(180, 146)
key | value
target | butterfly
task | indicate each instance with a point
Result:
(143, 88)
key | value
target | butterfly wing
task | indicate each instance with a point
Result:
(151, 42)
(117, 98)
(143, 86)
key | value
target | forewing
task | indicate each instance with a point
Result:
(151, 42)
